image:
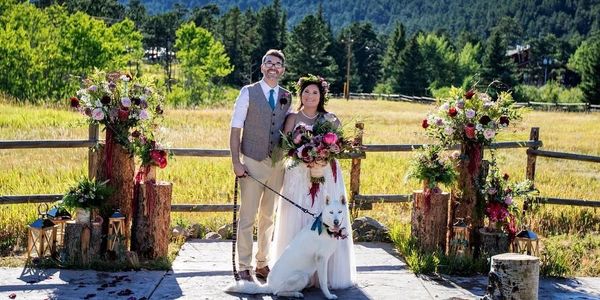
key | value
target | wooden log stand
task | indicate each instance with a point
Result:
(429, 221)
(150, 231)
(513, 276)
(493, 243)
(82, 242)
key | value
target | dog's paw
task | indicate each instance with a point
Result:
(298, 295)
(332, 296)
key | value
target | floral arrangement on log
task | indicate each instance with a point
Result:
(472, 118)
(432, 166)
(86, 194)
(500, 195)
(316, 146)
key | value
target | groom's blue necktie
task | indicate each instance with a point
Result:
(272, 99)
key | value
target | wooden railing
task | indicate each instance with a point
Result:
(357, 199)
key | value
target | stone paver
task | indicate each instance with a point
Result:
(202, 270)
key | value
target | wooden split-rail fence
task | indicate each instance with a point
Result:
(358, 200)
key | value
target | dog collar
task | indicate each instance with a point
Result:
(318, 226)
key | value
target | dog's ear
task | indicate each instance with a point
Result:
(327, 200)
(343, 199)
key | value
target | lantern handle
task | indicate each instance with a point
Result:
(40, 206)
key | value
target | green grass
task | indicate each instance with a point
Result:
(210, 180)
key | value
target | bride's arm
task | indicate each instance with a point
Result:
(289, 123)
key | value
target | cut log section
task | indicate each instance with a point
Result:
(429, 220)
(513, 276)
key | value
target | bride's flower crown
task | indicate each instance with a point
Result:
(313, 79)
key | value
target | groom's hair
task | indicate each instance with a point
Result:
(276, 53)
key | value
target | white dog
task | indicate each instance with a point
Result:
(308, 252)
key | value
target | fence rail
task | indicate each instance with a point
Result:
(358, 200)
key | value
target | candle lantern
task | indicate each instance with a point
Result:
(116, 229)
(59, 216)
(41, 236)
(460, 241)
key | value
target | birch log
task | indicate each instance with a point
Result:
(513, 276)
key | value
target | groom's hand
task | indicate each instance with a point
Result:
(239, 169)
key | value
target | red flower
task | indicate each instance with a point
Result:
(452, 112)
(74, 102)
(159, 157)
(504, 120)
(123, 114)
(469, 94)
(424, 124)
(470, 130)
(485, 120)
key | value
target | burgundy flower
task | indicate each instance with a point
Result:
(136, 100)
(284, 100)
(112, 85)
(159, 110)
(470, 130)
(452, 112)
(105, 99)
(469, 94)
(504, 121)
(424, 124)
(74, 102)
(135, 134)
(485, 120)
(87, 111)
(505, 177)
(123, 114)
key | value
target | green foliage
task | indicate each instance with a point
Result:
(564, 255)
(496, 66)
(586, 61)
(411, 75)
(203, 62)
(551, 92)
(433, 166)
(366, 51)
(395, 44)
(87, 193)
(440, 65)
(306, 51)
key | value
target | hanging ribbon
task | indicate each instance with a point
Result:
(108, 152)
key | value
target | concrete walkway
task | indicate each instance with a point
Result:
(203, 269)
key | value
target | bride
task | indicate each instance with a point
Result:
(290, 220)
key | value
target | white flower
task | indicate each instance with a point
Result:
(126, 102)
(479, 127)
(485, 97)
(308, 127)
(143, 114)
(124, 78)
(470, 113)
(445, 106)
(449, 130)
(455, 155)
(488, 104)
(97, 114)
(92, 88)
(489, 133)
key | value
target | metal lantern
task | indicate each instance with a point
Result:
(526, 242)
(460, 240)
(116, 229)
(59, 216)
(41, 236)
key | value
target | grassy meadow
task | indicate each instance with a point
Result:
(210, 180)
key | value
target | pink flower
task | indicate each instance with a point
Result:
(126, 102)
(508, 200)
(330, 138)
(297, 139)
(97, 114)
(489, 133)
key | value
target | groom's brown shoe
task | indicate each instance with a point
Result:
(245, 275)
(262, 272)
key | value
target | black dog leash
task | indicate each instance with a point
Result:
(236, 275)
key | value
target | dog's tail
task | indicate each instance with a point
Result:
(248, 287)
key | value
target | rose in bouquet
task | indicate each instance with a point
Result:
(500, 195)
(432, 166)
(317, 146)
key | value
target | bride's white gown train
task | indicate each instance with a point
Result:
(290, 220)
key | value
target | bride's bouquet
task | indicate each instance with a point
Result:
(317, 146)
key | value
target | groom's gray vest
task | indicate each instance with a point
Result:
(262, 127)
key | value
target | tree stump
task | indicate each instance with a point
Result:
(152, 220)
(493, 243)
(82, 242)
(513, 276)
(429, 221)
(122, 175)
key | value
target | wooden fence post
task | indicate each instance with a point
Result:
(355, 171)
(93, 133)
(534, 135)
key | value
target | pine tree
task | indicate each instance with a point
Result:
(412, 79)
(586, 61)
(496, 66)
(307, 50)
(395, 45)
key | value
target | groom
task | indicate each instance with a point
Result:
(258, 117)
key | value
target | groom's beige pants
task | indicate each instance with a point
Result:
(255, 198)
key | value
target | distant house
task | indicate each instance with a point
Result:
(520, 55)
(154, 54)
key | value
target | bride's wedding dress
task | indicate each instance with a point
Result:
(290, 220)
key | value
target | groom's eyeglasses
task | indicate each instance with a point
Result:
(277, 65)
